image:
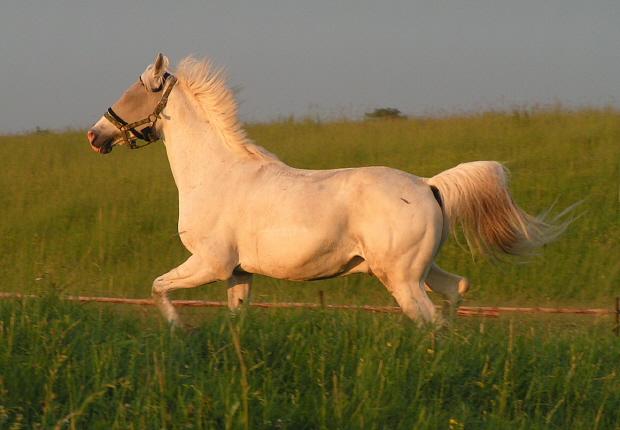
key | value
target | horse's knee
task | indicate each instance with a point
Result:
(158, 288)
(239, 287)
(237, 295)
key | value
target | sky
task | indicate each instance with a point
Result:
(64, 62)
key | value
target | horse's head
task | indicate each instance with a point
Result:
(134, 116)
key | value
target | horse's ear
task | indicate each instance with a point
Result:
(160, 65)
(153, 77)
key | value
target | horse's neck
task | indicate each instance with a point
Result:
(196, 152)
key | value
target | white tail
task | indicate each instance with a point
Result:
(476, 195)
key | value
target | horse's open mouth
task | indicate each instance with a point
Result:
(106, 148)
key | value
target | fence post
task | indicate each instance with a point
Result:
(322, 298)
(617, 328)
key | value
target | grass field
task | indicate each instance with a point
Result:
(95, 367)
(73, 222)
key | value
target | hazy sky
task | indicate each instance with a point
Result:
(64, 62)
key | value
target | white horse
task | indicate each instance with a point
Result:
(243, 211)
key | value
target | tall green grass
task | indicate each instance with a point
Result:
(95, 224)
(70, 366)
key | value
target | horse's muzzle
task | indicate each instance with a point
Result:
(104, 147)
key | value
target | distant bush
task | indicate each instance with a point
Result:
(40, 130)
(384, 113)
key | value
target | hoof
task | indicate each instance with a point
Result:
(178, 326)
(463, 286)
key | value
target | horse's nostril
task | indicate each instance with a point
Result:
(91, 136)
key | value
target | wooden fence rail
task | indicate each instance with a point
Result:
(463, 311)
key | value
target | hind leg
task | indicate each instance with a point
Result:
(239, 287)
(450, 286)
(405, 282)
(413, 300)
(402, 253)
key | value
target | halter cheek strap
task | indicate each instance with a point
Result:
(129, 133)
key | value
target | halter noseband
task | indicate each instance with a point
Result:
(129, 133)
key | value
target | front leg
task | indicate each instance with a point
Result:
(239, 288)
(195, 271)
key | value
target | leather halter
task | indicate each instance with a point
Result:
(129, 133)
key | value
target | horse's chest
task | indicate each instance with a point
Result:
(196, 235)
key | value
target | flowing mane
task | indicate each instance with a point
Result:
(208, 86)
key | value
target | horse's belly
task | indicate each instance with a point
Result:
(320, 268)
(300, 255)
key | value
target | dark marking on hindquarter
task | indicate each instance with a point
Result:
(437, 195)
(445, 228)
(405, 200)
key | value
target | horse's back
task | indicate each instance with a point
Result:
(337, 196)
